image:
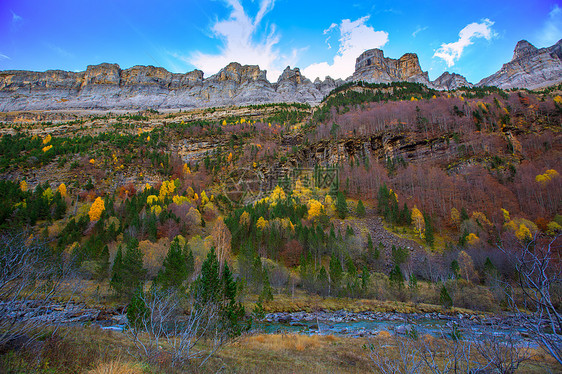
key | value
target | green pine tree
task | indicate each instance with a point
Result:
(117, 272)
(132, 271)
(429, 237)
(137, 311)
(396, 278)
(103, 266)
(266, 293)
(174, 272)
(341, 205)
(365, 278)
(445, 298)
(361, 209)
(335, 271)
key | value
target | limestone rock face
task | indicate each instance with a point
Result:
(372, 67)
(448, 81)
(107, 87)
(529, 68)
(292, 83)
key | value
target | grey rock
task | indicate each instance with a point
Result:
(529, 68)
(108, 87)
(372, 67)
(449, 81)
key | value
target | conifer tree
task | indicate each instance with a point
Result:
(322, 280)
(189, 261)
(130, 274)
(350, 268)
(341, 205)
(429, 237)
(396, 278)
(335, 271)
(361, 209)
(445, 298)
(174, 272)
(137, 311)
(266, 293)
(117, 272)
(103, 267)
(365, 278)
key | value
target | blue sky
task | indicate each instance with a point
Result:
(472, 38)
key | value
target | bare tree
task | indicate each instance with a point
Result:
(175, 326)
(30, 279)
(539, 268)
(505, 355)
(407, 360)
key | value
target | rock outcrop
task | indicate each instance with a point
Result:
(448, 81)
(372, 67)
(108, 87)
(529, 68)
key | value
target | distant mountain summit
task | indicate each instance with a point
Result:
(372, 67)
(529, 68)
(108, 87)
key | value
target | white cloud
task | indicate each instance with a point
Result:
(15, 17)
(4, 57)
(239, 34)
(355, 38)
(451, 52)
(60, 51)
(552, 29)
(418, 30)
(16, 21)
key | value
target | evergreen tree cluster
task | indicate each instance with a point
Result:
(389, 209)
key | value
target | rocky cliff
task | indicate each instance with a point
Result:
(529, 68)
(372, 67)
(108, 87)
(448, 81)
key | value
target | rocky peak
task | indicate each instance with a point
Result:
(529, 68)
(523, 49)
(448, 81)
(291, 75)
(371, 66)
(240, 73)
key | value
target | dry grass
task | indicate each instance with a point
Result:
(308, 303)
(291, 342)
(117, 367)
(293, 354)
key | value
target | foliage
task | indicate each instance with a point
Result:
(96, 209)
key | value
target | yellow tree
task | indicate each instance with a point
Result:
(23, 186)
(455, 217)
(186, 169)
(245, 219)
(151, 199)
(262, 223)
(62, 189)
(506, 217)
(315, 209)
(472, 239)
(96, 209)
(418, 221)
(204, 198)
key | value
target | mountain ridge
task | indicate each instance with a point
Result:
(108, 87)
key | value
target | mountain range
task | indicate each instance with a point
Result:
(108, 87)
